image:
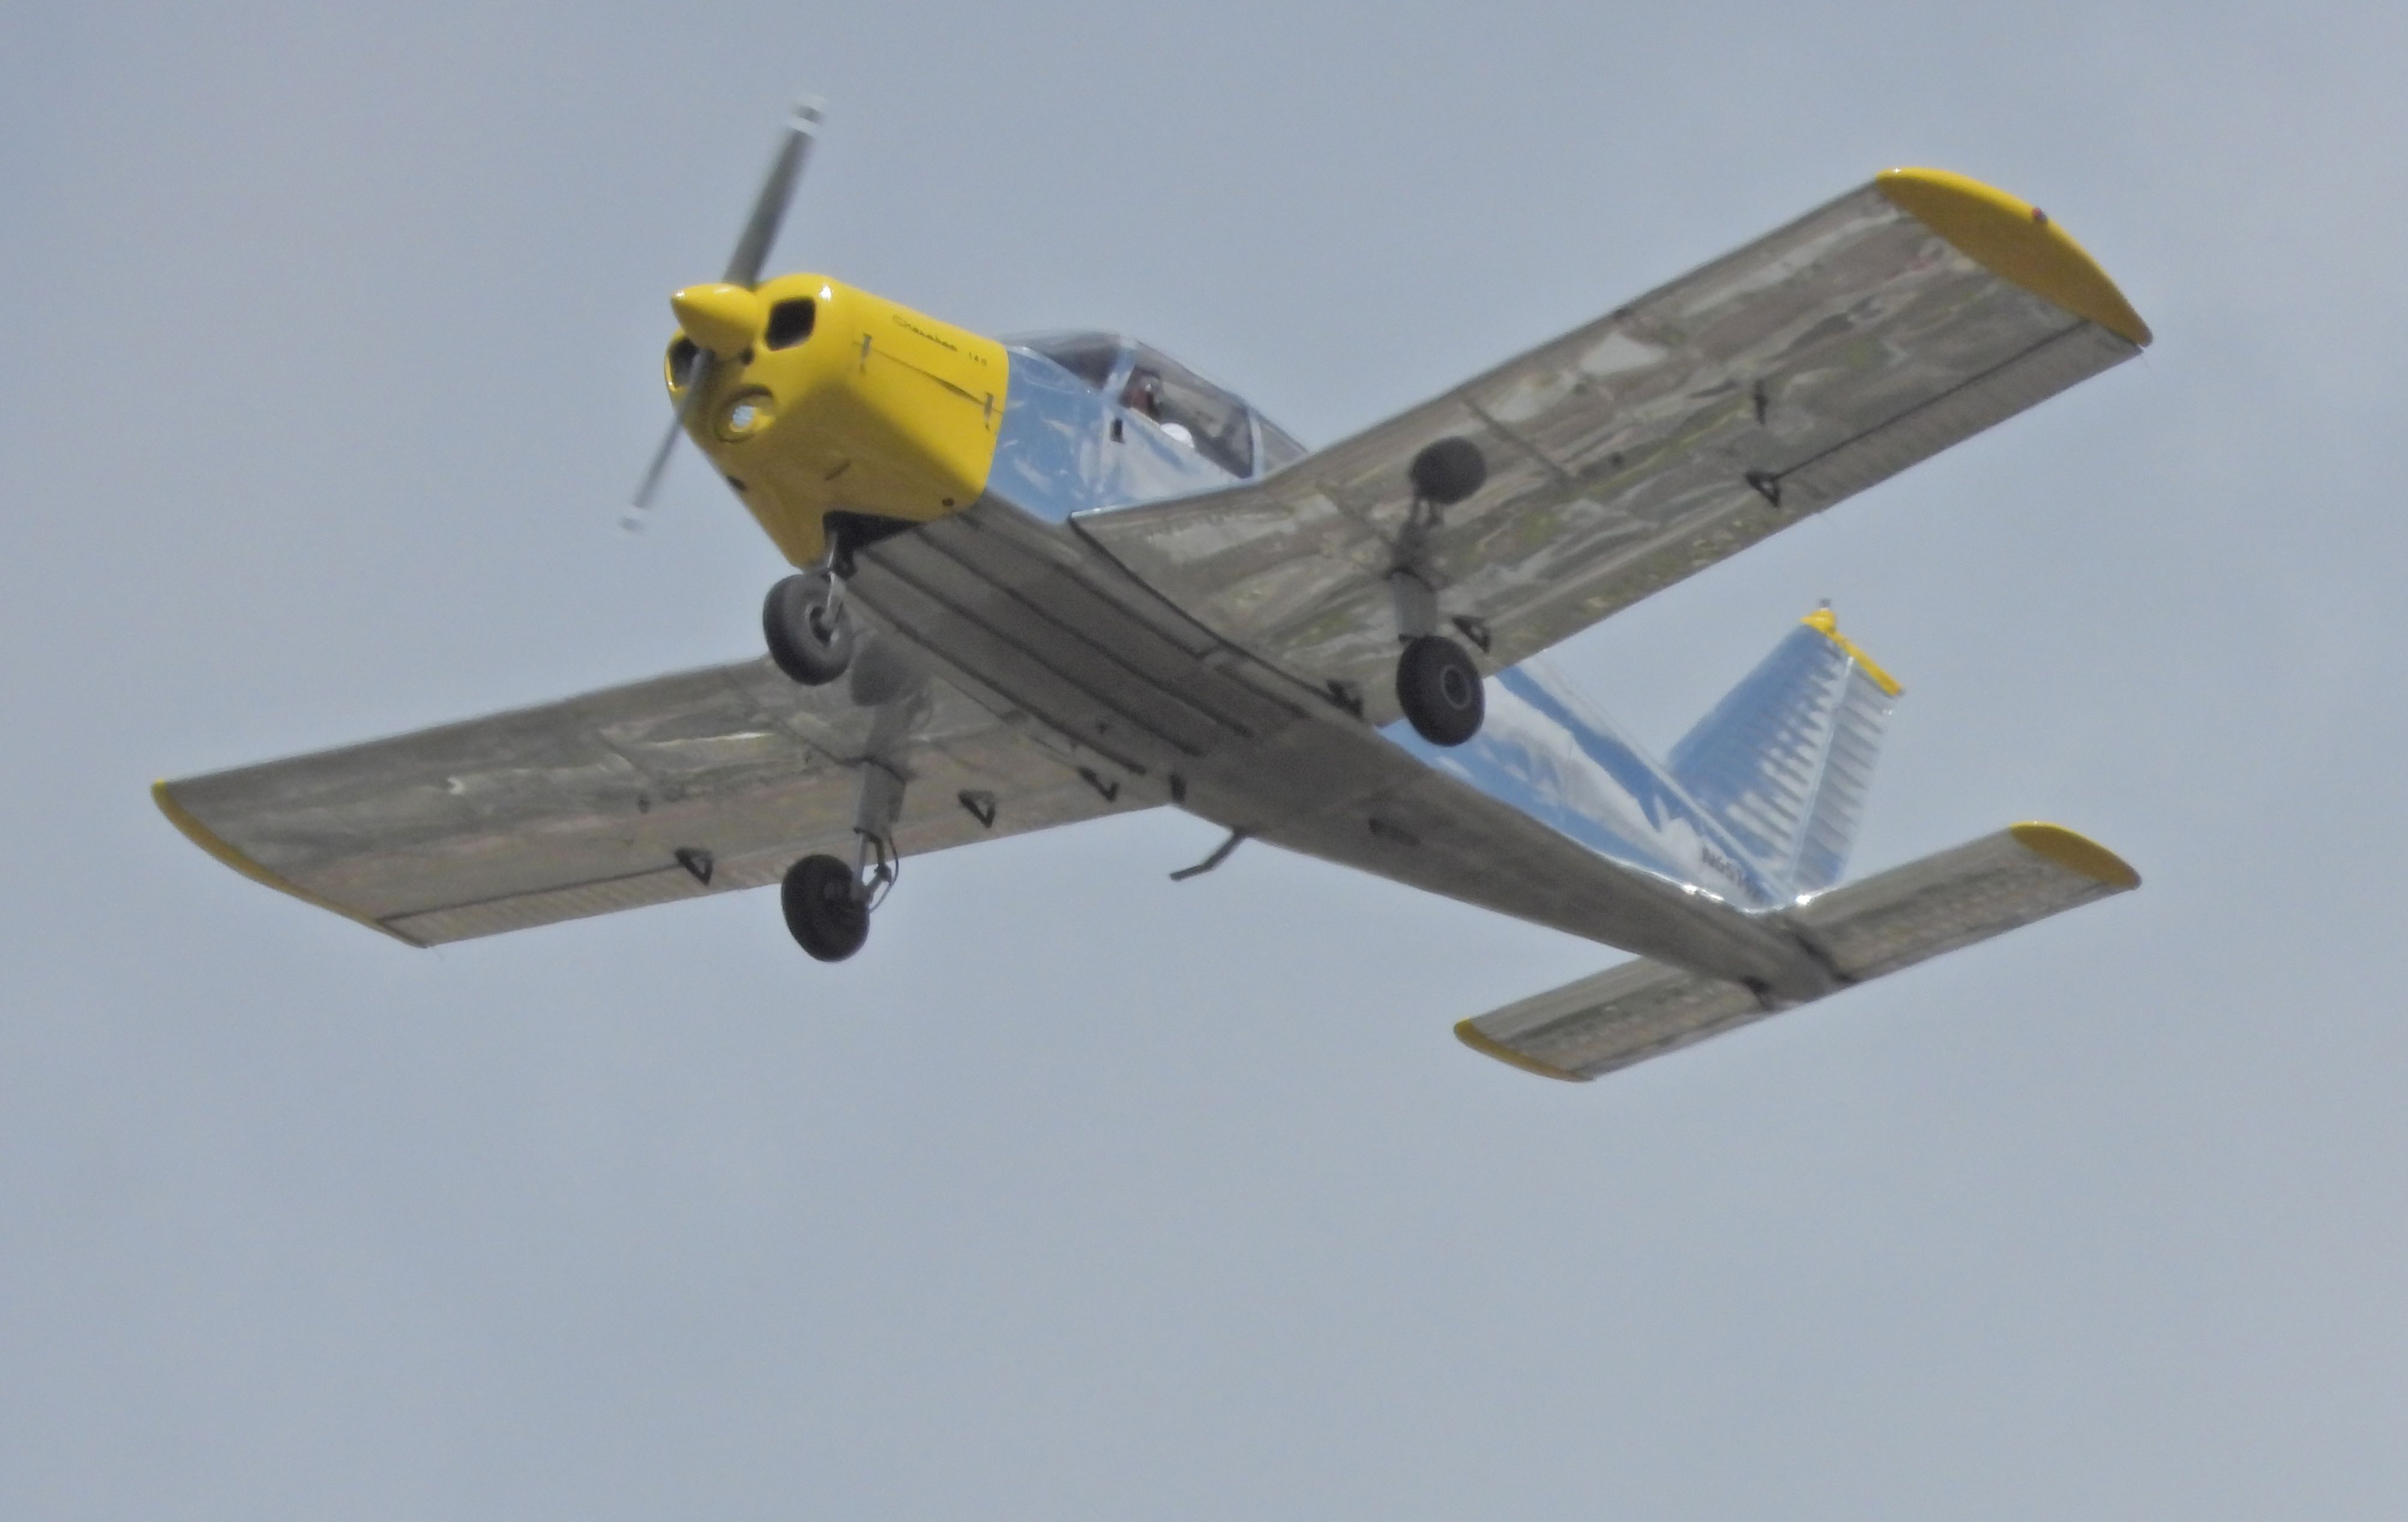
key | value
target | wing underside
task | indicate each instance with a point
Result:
(1668, 436)
(699, 782)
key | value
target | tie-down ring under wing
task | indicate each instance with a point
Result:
(1892, 322)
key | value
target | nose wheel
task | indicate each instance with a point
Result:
(1439, 688)
(803, 622)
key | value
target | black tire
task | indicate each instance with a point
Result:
(824, 907)
(1439, 687)
(807, 644)
(1448, 471)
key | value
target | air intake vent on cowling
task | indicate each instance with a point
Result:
(790, 323)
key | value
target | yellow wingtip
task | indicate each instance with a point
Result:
(1471, 1036)
(2076, 853)
(2014, 241)
(1826, 622)
(189, 824)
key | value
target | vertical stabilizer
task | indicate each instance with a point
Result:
(1785, 761)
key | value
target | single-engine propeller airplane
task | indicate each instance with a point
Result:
(1046, 579)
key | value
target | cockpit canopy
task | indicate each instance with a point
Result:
(1216, 424)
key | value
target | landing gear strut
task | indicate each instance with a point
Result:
(1438, 685)
(827, 902)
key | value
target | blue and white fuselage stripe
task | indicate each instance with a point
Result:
(1543, 750)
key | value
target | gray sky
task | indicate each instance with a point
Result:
(1079, 1195)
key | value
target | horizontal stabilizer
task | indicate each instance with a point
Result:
(1865, 930)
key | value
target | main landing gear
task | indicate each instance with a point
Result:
(1439, 688)
(828, 910)
(1438, 683)
(827, 901)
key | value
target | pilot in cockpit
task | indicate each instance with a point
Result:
(1143, 394)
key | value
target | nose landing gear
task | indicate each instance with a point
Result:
(803, 622)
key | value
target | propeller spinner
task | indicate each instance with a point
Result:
(722, 318)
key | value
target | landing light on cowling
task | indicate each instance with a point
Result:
(747, 414)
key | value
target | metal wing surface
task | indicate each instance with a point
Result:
(1899, 318)
(699, 782)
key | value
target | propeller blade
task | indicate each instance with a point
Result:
(698, 382)
(752, 248)
(744, 269)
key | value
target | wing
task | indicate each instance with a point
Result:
(1898, 320)
(699, 782)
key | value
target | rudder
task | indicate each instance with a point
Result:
(1785, 760)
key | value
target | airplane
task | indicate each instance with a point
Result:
(1048, 579)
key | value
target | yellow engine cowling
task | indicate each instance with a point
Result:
(873, 408)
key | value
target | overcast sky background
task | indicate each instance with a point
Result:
(1078, 1194)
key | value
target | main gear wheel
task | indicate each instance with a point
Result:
(1439, 687)
(826, 909)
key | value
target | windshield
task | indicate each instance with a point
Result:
(1190, 411)
(1279, 447)
(1090, 357)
